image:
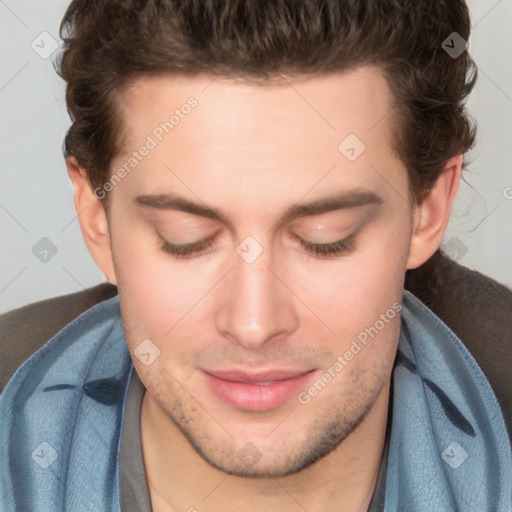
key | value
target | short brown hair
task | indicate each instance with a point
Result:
(109, 42)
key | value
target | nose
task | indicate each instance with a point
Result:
(257, 305)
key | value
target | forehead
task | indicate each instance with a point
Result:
(244, 138)
(232, 112)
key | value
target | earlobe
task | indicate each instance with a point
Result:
(432, 215)
(92, 218)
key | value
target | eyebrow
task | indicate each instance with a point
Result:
(343, 200)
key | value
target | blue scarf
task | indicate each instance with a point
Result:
(62, 413)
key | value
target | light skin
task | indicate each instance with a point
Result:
(252, 152)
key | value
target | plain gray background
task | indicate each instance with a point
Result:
(36, 196)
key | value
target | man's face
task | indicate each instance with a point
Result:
(241, 331)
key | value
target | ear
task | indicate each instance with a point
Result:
(432, 215)
(92, 218)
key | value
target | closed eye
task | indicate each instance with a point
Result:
(334, 249)
(187, 250)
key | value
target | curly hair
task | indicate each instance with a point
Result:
(107, 43)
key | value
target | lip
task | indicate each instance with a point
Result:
(256, 391)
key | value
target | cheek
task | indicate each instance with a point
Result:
(151, 289)
(160, 298)
(352, 294)
(152, 292)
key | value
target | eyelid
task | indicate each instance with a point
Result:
(302, 241)
(182, 250)
(331, 250)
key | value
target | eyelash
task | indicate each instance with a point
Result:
(328, 250)
(321, 250)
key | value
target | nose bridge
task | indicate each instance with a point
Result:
(256, 307)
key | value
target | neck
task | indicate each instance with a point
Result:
(180, 479)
